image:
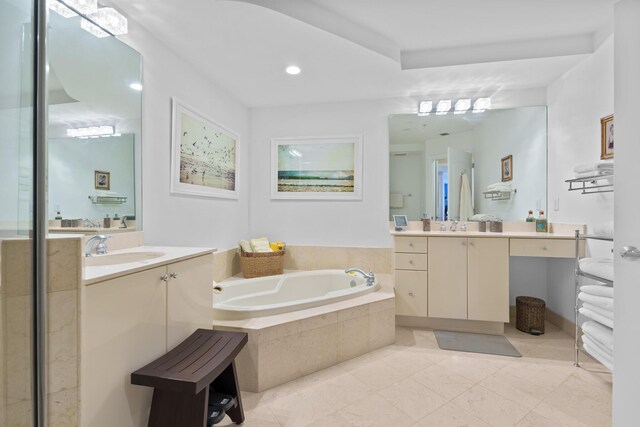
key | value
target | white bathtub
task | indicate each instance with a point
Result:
(264, 296)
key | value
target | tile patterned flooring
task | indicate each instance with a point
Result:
(414, 383)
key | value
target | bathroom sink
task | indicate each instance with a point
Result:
(121, 258)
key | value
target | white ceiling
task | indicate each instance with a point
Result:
(245, 47)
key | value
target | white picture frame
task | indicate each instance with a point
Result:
(337, 160)
(212, 148)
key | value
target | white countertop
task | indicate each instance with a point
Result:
(94, 274)
(510, 234)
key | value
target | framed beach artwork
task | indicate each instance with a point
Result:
(317, 168)
(606, 126)
(204, 156)
(507, 168)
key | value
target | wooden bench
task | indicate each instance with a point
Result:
(181, 379)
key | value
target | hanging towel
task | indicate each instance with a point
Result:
(599, 333)
(598, 290)
(595, 316)
(396, 200)
(602, 302)
(466, 205)
(599, 267)
(594, 167)
(598, 355)
(602, 312)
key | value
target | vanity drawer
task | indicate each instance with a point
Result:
(548, 248)
(411, 293)
(411, 262)
(416, 245)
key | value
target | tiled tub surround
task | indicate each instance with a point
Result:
(287, 346)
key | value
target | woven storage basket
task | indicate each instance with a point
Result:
(530, 314)
(258, 264)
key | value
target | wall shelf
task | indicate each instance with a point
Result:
(498, 195)
(592, 184)
(107, 200)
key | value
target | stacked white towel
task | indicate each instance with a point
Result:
(500, 186)
(599, 267)
(594, 170)
(483, 217)
(604, 229)
(597, 303)
(598, 341)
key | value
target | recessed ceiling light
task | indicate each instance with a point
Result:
(294, 70)
(136, 86)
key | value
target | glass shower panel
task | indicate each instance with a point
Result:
(16, 196)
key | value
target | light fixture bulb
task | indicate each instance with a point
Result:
(91, 132)
(425, 107)
(481, 105)
(107, 19)
(443, 107)
(83, 6)
(136, 86)
(293, 70)
(462, 105)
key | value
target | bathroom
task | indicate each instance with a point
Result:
(69, 344)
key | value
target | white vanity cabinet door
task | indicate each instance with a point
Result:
(411, 293)
(488, 285)
(123, 328)
(189, 298)
(447, 272)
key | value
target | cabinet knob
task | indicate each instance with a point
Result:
(471, 244)
(164, 278)
(464, 243)
(411, 294)
(410, 244)
(544, 248)
(174, 275)
(410, 261)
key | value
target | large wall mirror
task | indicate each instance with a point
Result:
(475, 165)
(95, 92)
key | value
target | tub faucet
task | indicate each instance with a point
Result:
(454, 225)
(371, 278)
(101, 247)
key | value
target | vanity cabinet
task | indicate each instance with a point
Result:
(128, 321)
(488, 279)
(448, 277)
(410, 271)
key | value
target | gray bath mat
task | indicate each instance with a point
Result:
(476, 343)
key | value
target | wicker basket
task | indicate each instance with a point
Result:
(530, 315)
(258, 264)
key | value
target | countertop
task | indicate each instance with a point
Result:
(509, 234)
(94, 274)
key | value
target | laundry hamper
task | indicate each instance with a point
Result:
(530, 315)
(258, 264)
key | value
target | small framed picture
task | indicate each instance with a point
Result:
(102, 180)
(507, 168)
(606, 126)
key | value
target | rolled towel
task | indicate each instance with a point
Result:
(599, 333)
(260, 245)
(605, 229)
(499, 186)
(601, 302)
(598, 290)
(483, 217)
(594, 167)
(601, 311)
(606, 361)
(599, 267)
(245, 246)
(597, 317)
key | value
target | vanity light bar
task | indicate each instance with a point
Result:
(444, 105)
(462, 105)
(92, 132)
(425, 108)
(82, 6)
(107, 18)
(481, 105)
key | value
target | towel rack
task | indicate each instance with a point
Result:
(499, 195)
(591, 184)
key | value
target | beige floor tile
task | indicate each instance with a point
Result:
(373, 410)
(408, 362)
(475, 368)
(535, 419)
(300, 409)
(451, 415)
(443, 381)
(262, 417)
(377, 375)
(491, 407)
(558, 418)
(341, 391)
(333, 420)
(526, 393)
(413, 398)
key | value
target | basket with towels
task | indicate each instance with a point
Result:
(259, 257)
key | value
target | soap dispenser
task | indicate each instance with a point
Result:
(106, 223)
(541, 223)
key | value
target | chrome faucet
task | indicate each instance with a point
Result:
(463, 227)
(123, 221)
(371, 278)
(101, 247)
(89, 224)
(454, 225)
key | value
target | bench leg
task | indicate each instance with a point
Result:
(171, 408)
(227, 382)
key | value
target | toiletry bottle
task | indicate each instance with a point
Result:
(58, 215)
(426, 222)
(106, 223)
(530, 218)
(541, 223)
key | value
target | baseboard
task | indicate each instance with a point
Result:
(457, 325)
(567, 326)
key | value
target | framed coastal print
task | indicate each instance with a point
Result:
(317, 168)
(204, 155)
(507, 168)
(102, 180)
(606, 126)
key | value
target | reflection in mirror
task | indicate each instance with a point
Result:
(94, 129)
(457, 166)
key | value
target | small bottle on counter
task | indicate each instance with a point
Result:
(426, 222)
(530, 218)
(106, 222)
(541, 223)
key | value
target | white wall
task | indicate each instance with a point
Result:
(576, 102)
(627, 294)
(408, 178)
(327, 223)
(178, 220)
